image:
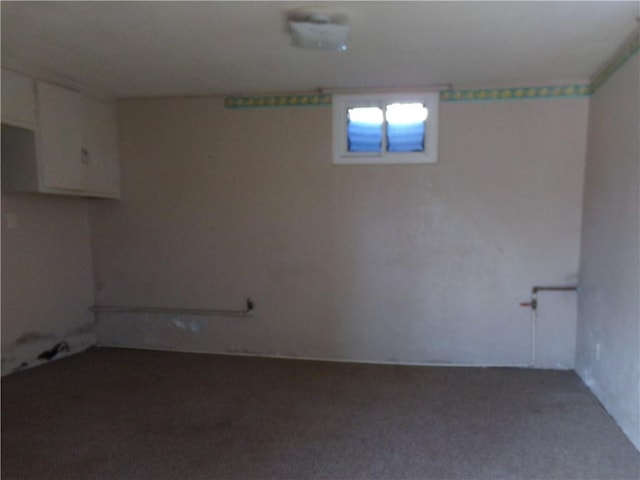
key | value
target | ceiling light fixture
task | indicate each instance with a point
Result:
(320, 31)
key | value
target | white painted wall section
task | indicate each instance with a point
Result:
(608, 357)
(410, 264)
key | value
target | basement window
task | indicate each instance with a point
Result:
(385, 128)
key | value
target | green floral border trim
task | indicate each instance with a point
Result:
(478, 95)
(628, 51)
(445, 96)
(514, 93)
(278, 101)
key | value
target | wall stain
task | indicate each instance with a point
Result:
(192, 326)
(31, 337)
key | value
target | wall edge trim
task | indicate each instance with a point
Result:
(327, 359)
(622, 56)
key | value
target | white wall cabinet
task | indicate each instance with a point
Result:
(75, 151)
(60, 146)
(18, 100)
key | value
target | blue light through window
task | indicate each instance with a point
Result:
(404, 129)
(364, 129)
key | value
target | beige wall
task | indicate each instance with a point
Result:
(47, 283)
(421, 264)
(609, 311)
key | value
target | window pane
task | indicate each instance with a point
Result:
(406, 127)
(364, 129)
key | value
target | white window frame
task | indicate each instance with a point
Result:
(341, 105)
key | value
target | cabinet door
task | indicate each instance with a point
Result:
(101, 145)
(18, 100)
(62, 165)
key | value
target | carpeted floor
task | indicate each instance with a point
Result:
(127, 414)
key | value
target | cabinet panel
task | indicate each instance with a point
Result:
(62, 164)
(18, 100)
(19, 165)
(70, 148)
(101, 144)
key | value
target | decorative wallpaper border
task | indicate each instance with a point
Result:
(519, 93)
(278, 101)
(628, 51)
(514, 93)
(471, 95)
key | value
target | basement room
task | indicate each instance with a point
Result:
(253, 240)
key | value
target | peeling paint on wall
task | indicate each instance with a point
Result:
(58, 348)
(35, 348)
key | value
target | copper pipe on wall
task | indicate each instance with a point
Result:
(533, 304)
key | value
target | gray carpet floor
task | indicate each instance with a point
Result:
(128, 414)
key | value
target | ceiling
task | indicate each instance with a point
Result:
(127, 49)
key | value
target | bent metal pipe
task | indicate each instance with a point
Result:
(533, 304)
(248, 311)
